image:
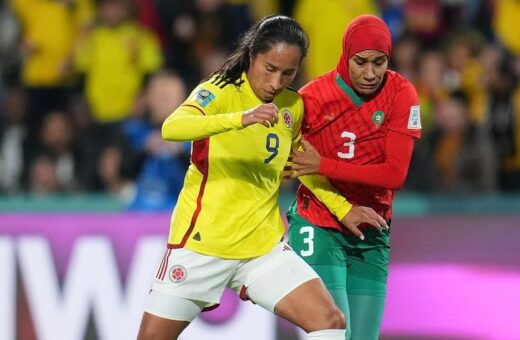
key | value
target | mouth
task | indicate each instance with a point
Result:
(270, 94)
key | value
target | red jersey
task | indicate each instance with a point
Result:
(347, 128)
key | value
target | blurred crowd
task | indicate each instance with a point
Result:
(85, 85)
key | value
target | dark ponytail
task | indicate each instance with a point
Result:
(260, 38)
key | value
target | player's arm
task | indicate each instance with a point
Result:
(349, 215)
(404, 128)
(389, 174)
(204, 114)
(190, 123)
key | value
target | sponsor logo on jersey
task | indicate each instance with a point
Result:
(330, 117)
(287, 118)
(178, 274)
(204, 97)
(378, 118)
(414, 119)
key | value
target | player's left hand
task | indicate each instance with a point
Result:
(305, 160)
(360, 214)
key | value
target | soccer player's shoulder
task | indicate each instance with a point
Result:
(399, 83)
(208, 92)
(289, 97)
(317, 82)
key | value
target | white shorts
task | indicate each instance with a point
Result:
(265, 280)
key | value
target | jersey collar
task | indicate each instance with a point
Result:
(357, 100)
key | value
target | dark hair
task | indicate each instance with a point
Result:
(267, 32)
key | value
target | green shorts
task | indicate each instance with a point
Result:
(342, 260)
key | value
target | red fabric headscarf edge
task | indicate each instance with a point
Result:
(365, 32)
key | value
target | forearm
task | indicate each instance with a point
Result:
(385, 175)
(390, 174)
(327, 194)
(184, 125)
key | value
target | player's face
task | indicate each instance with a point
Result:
(366, 70)
(271, 72)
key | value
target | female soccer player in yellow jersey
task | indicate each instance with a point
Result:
(226, 227)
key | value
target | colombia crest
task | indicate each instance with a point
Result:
(178, 274)
(287, 118)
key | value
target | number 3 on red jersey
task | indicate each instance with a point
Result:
(349, 145)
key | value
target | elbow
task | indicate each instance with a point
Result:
(397, 173)
(169, 133)
(396, 182)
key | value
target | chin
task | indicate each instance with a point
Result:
(366, 92)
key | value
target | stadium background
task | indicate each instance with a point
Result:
(86, 186)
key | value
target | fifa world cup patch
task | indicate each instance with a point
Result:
(287, 118)
(178, 274)
(414, 120)
(204, 97)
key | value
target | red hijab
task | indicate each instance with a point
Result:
(365, 32)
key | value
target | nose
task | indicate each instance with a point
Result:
(276, 82)
(369, 73)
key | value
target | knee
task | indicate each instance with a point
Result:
(331, 318)
(335, 319)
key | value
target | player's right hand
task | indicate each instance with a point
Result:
(358, 215)
(265, 114)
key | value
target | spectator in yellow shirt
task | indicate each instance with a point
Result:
(49, 31)
(115, 58)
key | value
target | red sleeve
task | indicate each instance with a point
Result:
(405, 115)
(390, 175)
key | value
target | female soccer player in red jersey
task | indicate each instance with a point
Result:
(360, 124)
(226, 227)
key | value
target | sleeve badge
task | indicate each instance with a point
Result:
(414, 119)
(204, 97)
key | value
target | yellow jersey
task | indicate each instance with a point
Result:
(228, 206)
(115, 61)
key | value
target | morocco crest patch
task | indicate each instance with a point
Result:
(378, 118)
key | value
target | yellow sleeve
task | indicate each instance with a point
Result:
(324, 190)
(320, 185)
(201, 115)
(185, 124)
(327, 194)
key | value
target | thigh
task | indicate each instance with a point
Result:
(367, 263)
(265, 280)
(283, 283)
(314, 244)
(161, 321)
(323, 249)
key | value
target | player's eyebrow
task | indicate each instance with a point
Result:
(360, 58)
